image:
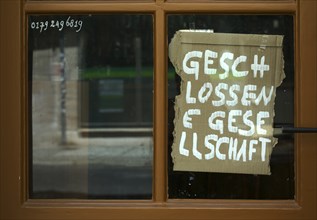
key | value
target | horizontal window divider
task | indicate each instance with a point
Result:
(89, 7)
(173, 203)
(231, 7)
(234, 204)
(169, 7)
(90, 206)
(42, 203)
(210, 203)
(228, 1)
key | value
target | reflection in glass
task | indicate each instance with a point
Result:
(280, 184)
(91, 86)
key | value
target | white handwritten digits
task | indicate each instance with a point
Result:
(42, 26)
(78, 24)
(58, 24)
(74, 23)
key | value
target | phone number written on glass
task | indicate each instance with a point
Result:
(58, 24)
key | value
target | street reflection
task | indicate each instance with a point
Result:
(91, 109)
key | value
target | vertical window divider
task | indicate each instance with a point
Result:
(160, 109)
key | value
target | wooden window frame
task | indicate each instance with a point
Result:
(14, 201)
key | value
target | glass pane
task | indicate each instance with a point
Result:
(91, 87)
(202, 185)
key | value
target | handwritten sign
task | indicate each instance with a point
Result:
(224, 113)
(58, 24)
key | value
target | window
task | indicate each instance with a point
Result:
(74, 87)
(278, 185)
(91, 86)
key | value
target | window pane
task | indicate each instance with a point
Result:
(91, 86)
(203, 185)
